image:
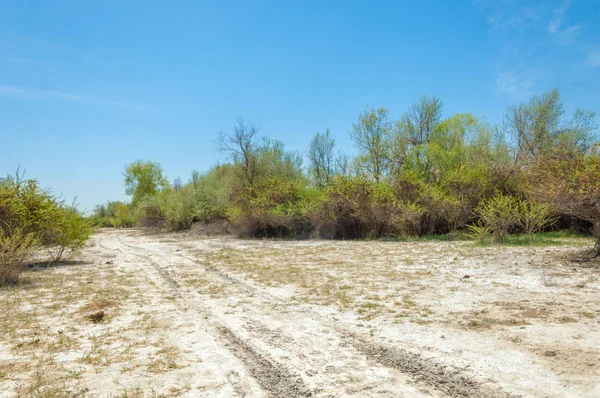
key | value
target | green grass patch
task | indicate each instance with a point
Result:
(450, 237)
(542, 239)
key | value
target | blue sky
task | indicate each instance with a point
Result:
(89, 86)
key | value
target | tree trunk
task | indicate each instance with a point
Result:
(596, 250)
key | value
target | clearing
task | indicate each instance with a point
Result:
(175, 315)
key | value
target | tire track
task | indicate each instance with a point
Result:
(271, 376)
(454, 383)
(449, 381)
(274, 378)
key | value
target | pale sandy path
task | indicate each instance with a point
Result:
(223, 317)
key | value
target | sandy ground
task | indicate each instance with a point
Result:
(173, 315)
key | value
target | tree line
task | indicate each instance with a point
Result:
(420, 174)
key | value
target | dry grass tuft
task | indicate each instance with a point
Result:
(98, 305)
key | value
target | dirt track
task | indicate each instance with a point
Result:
(222, 317)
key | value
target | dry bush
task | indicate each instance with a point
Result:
(264, 224)
(569, 182)
(345, 211)
(411, 218)
(357, 208)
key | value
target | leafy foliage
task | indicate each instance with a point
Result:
(144, 179)
(534, 216)
(423, 174)
(569, 182)
(16, 247)
(32, 219)
(500, 214)
(113, 214)
(320, 155)
(68, 232)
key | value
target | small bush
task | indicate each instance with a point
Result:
(411, 215)
(69, 232)
(534, 216)
(344, 211)
(481, 233)
(15, 249)
(30, 219)
(175, 210)
(115, 222)
(213, 192)
(503, 214)
(275, 207)
(179, 209)
(149, 212)
(500, 214)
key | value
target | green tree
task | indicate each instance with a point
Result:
(320, 155)
(121, 210)
(416, 128)
(144, 179)
(273, 160)
(371, 135)
(538, 127)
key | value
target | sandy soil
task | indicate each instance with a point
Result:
(173, 315)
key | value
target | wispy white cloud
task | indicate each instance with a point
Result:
(532, 36)
(559, 16)
(563, 36)
(515, 85)
(568, 35)
(525, 16)
(45, 95)
(501, 14)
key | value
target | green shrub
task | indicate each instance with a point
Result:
(411, 216)
(534, 216)
(500, 214)
(441, 211)
(175, 210)
(128, 222)
(100, 221)
(30, 219)
(274, 207)
(179, 209)
(115, 222)
(344, 210)
(150, 211)
(68, 232)
(113, 215)
(16, 247)
(213, 192)
(480, 232)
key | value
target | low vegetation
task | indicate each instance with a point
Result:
(35, 223)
